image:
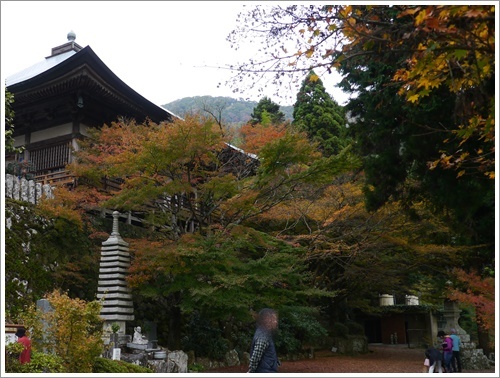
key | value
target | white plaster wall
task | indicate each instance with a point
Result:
(51, 132)
(83, 129)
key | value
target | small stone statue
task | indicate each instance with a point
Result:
(139, 338)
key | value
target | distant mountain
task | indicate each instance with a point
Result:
(235, 112)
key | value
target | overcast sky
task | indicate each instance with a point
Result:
(161, 49)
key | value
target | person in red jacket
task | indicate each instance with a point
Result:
(25, 356)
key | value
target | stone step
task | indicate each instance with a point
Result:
(115, 252)
(111, 264)
(116, 269)
(113, 276)
(113, 289)
(117, 302)
(117, 310)
(115, 295)
(112, 283)
(117, 317)
(115, 258)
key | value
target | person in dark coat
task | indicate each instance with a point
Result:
(263, 356)
(435, 359)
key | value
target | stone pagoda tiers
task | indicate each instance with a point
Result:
(117, 307)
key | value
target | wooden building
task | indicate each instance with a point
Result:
(59, 98)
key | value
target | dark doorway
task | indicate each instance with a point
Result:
(373, 330)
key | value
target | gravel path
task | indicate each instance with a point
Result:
(380, 359)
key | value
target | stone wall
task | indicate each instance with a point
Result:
(26, 190)
(350, 345)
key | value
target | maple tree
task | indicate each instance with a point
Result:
(421, 114)
(156, 163)
(160, 167)
(454, 47)
(176, 172)
(255, 136)
(349, 249)
(72, 330)
(477, 291)
(433, 47)
(223, 275)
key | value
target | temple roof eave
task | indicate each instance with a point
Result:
(85, 71)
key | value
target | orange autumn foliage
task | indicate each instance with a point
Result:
(478, 292)
(256, 136)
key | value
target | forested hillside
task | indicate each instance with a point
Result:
(234, 111)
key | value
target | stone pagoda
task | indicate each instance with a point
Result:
(117, 307)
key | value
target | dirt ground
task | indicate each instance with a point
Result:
(380, 359)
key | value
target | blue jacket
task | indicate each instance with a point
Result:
(269, 361)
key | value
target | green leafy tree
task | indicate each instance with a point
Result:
(72, 331)
(9, 124)
(224, 275)
(316, 113)
(39, 257)
(267, 108)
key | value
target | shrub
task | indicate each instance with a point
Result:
(205, 339)
(43, 363)
(40, 362)
(355, 328)
(104, 365)
(72, 331)
(298, 326)
(340, 330)
(195, 368)
(12, 352)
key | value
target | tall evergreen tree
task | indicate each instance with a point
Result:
(267, 108)
(319, 115)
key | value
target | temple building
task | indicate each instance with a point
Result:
(59, 98)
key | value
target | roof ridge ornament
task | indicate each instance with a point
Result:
(116, 214)
(71, 36)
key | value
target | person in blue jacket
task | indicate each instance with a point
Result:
(263, 356)
(456, 361)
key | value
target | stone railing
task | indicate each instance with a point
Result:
(26, 190)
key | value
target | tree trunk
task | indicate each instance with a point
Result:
(174, 329)
(484, 340)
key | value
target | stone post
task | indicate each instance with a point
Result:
(472, 358)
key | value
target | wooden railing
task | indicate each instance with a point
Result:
(55, 178)
(179, 205)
